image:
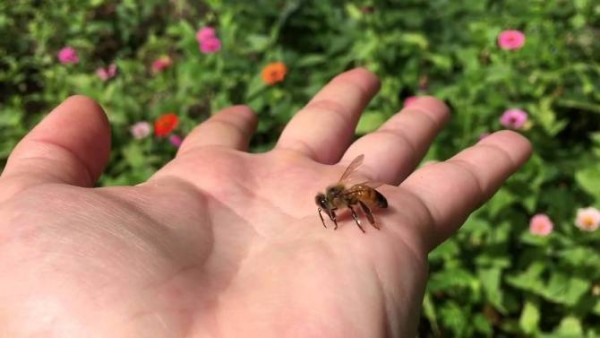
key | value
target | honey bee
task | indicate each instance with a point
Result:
(339, 196)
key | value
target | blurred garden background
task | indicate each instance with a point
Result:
(527, 264)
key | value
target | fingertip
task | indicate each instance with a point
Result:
(517, 146)
(73, 107)
(433, 108)
(331, 116)
(231, 127)
(364, 77)
(82, 100)
(246, 119)
(82, 104)
(430, 104)
(245, 112)
(70, 145)
(86, 123)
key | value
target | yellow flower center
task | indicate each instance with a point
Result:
(587, 221)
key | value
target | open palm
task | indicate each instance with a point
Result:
(223, 243)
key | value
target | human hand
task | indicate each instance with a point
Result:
(223, 243)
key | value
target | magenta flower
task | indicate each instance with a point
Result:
(205, 33)
(540, 225)
(511, 39)
(588, 219)
(210, 45)
(175, 140)
(513, 118)
(107, 73)
(161, 64)
(140, 130)
(68, 55)
(410, 100)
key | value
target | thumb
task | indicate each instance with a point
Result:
(71, 146)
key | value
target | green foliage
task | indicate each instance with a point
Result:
(494, 278)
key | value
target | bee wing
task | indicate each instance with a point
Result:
(372, 184)
(352, 167)
(360, 185)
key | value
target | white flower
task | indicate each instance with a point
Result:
(140, 130)
(588, 219)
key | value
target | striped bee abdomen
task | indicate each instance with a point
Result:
(381, 200)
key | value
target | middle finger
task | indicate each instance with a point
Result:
(396, 148)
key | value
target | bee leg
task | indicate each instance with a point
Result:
(322, 220)
(356, 219)
(334, 219)
(369, 215)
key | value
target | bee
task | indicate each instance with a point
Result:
(339, 196)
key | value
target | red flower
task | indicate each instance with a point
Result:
(165, 124)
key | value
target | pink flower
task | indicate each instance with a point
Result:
(107, 73)
(210, 45)
(511, 39)
(540, 225)
(68, 55)
(175, 140)
(513, 118)
(208, 40)
(140, 130)
(588, 219)
(410, 100)
(161, 64)
(205, 33)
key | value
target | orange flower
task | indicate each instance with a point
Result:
(165, 124)
(274, 72)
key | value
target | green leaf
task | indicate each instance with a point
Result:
(134, 155)
(490, 280)
(446, 251)
(565, 289)
(429, 311)
(502, 199)
(482, 325)
(369, 122)
(417, 39)
(570, 327)
(588, 179)
(258, 43)
(580, 256)
(454, 317)
(451, 280)
(530, 279)
(596, 308)
(545, 115)
(444, 62)
(530, 317)
(311, 60)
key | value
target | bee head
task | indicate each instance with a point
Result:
(321, 201)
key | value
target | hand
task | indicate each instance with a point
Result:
(223, 243)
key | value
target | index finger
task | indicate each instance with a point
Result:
(324, 128)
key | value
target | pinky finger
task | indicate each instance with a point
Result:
(449, 191)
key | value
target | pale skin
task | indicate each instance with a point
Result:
(223, 243)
